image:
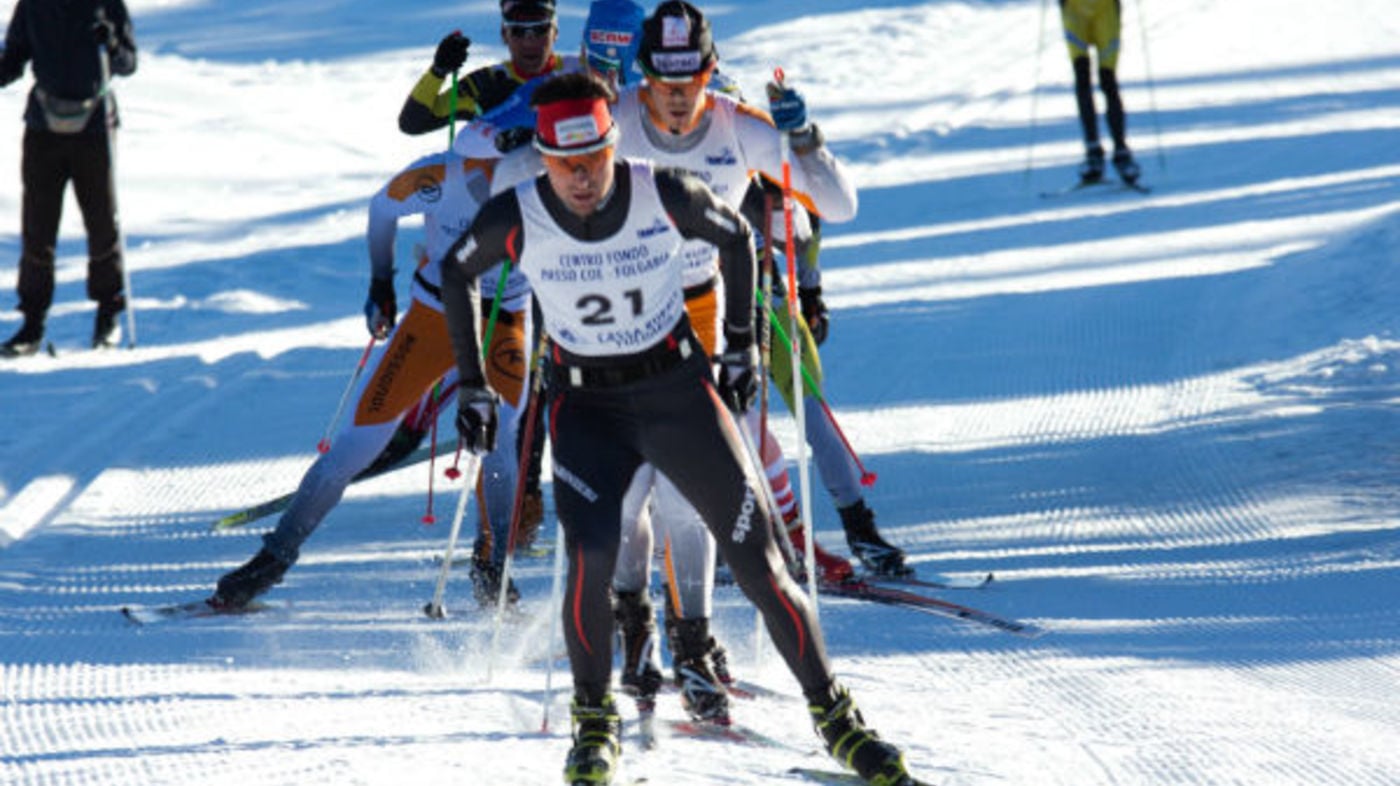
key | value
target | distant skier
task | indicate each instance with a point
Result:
(599, 237)
(1097, 24)
(396, 402)
(528, 29)
(70, 122)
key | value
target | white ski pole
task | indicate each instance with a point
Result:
(556, 608)
(760, 478)
(325, 444)
(111, 132)
(804, 471)
(533, 397)
(1035, 90)
(434, 608)
(1151, 89)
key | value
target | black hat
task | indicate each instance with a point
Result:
(676, 42)
(527, 10)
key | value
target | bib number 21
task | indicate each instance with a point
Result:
(598, 309)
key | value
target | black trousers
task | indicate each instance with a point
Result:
(50, 162)
(675, 421)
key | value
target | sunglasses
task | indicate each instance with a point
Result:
(698, 79)
(589, 161)
(526, 30)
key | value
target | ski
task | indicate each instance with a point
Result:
(731, 732)
(723, 578)
(150, 615)
(749, 691)
(892, 596)
(739, 689)
(942, 582)
(1102, 186)
(279, 504)
(836, 778)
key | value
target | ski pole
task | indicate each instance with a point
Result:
(324, 445)
(433, 399)
(516, 504)
(434, 607)
(1151, 89)
(774, 519)
(765, 336)
(556, 608)
(804, 471)
(1035, 90)
(102, 58)
(452, 112)
(765, 341)
(867, 478)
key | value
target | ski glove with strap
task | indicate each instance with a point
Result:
(509, 139)
(381, 307)
(814, 312)
(738, 384)
(788, 108)
(476, 419)
(451, 54)
(104, 33)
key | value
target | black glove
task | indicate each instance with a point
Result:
(451, 53)
(814, 312)
(738, 384)
(476, 419)
(510, 138)
(381, 308)
(104, 33)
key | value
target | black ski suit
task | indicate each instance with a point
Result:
(610, 412)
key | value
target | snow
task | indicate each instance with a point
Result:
(1166, 423)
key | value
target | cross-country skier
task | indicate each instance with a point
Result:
(528, 29)
(600, 238)
(447, 190)
(1096, 24)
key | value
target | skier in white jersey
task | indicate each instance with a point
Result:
(416, 361)
(599, 238)
(675, 119)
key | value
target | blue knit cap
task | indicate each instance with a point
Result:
(611, 37)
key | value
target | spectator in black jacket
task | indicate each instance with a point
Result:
(75, 47)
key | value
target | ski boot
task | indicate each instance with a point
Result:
(486, 584)
(597, 744)
(1091, 171)
(873, 551)
(104, 325)
(856, 747)
(26, 340)
(636, 625)
(238, 587)
(719, 662)
(1128, 169)
(831, 569)
(703, 696)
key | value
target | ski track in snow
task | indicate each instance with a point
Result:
(1166, 423)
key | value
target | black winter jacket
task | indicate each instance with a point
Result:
(60, 38)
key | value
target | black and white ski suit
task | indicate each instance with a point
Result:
(630, 385)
